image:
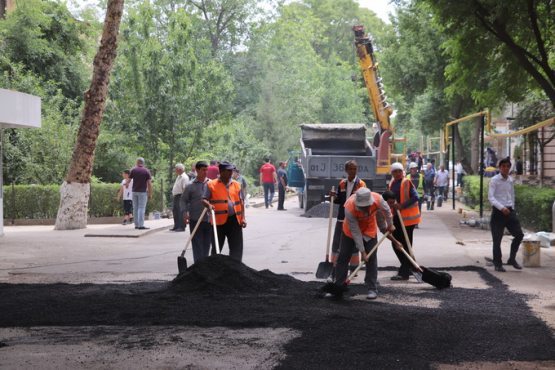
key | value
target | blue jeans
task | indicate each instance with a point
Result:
(268, 193)
(139, 208)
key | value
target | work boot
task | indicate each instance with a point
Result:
(514, 263)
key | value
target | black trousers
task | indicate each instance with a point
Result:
(233, 232)
(177, 214)
(281, 196)
(498, 223)
(348, 247)
(404, 269)
(202, 239)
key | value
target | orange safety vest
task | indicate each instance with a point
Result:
(366, 219)
(411, 214)
(220, 195)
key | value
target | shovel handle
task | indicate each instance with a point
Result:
(215, 230)
(411, 260)
(194, 231)
(330, 217)
(407, 240)
(384, 236)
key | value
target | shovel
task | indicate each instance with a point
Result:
(436, 278)
(325, 268)
(181, 260)
(337, 290)
(215, 231)
(417, 275)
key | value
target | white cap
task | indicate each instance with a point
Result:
(413, 165)
(363, 197)
(396, 166)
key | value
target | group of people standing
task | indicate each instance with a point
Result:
(268, 178)
(361, 213)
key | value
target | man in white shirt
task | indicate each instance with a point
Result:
(441, 182)
(179, 185)
(501, 195)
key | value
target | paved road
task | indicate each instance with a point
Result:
(283, 242)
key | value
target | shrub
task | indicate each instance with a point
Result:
(42, 201)
(533, 204)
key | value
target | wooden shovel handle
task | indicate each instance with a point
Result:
(330, 218)
(384, 236)
(194, 231)
(215, 230)
(407, 240)
(411, 260)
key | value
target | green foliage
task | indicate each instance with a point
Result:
(42, 201)
(533, 204)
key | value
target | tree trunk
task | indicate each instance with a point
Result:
(75, 191)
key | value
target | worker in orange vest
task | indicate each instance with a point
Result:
(223, 195)
(365, 211)
(406, 201)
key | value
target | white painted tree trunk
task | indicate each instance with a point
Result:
(74, 206)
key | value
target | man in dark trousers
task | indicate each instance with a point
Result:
(192, 206)
(282, 185)
(223, 195)
(406, 201)
(181, 182)
(501, 195)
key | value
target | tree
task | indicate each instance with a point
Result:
(513, 36)
(75, 191)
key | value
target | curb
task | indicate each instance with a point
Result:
(133, 233)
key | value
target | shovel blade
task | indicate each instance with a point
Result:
(181, 264)
(324, 270)
(440, 280)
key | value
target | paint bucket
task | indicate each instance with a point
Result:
(531, 253)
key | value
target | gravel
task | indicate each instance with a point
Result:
(463, 325)
(321, 210)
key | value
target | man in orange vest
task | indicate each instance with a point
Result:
(365, 211)
(223, 195)
(406, 201)
(346, 188)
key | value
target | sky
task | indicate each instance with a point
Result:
(381, 7)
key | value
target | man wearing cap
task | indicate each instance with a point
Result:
(223, 195)
(417, 179)
(142, 191)
(365, 211)
(406, 201)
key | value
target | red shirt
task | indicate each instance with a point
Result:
(212, 172)
(267, 170)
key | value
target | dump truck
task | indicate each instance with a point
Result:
(325, 147)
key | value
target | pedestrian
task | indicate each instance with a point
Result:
(142, 192)
(192, 206)
(417, 179)
(441, 182)
(429, 188)
(459, 170)
(282, 185)
(223, 195)
(213, 171)
(501, 195)
(345, 189)
(125, 192)
(243, 182)
(193, 173)
(365, 211)
(406, 201)
(179, 186)
(268, 178)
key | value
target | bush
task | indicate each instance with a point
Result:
(533, 204)
(42, 201)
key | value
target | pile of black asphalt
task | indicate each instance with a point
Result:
(321, 210)
(490, 324)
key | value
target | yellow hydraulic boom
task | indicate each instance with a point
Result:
(382, 110)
